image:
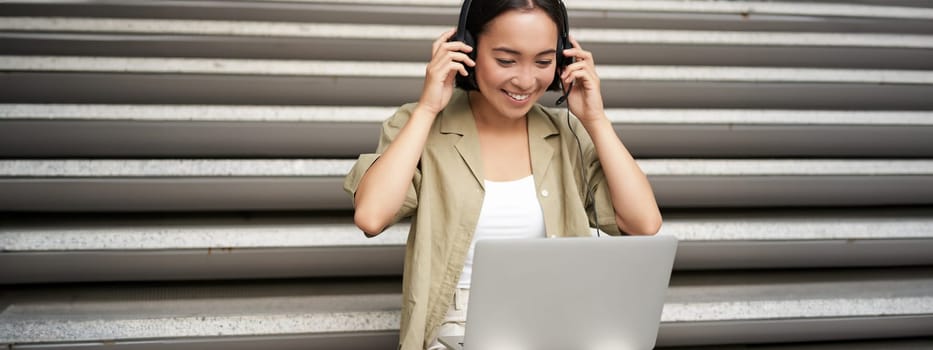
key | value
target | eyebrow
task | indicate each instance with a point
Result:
(517, 53)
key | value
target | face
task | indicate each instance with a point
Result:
(516, 59)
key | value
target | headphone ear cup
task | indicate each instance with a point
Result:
(563, 44)
(469, 81)
(561, 61)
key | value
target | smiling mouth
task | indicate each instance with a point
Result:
(517, 97)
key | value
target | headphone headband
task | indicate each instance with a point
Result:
(461, 24)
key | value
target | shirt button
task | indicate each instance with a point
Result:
(544, 193)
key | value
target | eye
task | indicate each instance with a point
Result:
(505, 62)
(544, 63)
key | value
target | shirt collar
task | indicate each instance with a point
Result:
(457, 118)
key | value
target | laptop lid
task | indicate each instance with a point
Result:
(568, 293)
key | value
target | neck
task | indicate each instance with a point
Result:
(487, 118)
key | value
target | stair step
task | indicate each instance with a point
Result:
(68, 248)
(193, 247)
(196, 185)
(725, 307)
(65, 79)
(65, 26)
(210, 311)
(737, 308)
(412, 70)
(892, 344)
(66, 232)
(301, 184)
(115, 131)
(329, 41)
(766, 16)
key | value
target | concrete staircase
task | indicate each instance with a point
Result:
(170, 170)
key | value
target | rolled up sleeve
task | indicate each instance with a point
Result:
(390, 129)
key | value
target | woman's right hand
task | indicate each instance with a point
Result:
(447, 60)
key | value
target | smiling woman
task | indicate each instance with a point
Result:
(478, 158)
(511, 72)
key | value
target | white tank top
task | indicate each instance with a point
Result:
(510, 210)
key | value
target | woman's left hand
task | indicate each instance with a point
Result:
(585, 99)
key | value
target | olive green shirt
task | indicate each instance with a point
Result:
(446, 195)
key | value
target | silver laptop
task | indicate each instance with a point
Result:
(567, 293)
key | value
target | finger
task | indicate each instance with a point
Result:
(448, 34)
(574, 42)
(444, 75)
(455, 46)
(579, 65)
(462, 58)
(442, 39)
(458, 67)
(445, 49)
(580, 74)
(451, 68)
(569, 77)
(578, 49)
(579, 54)
(575, 67)
(452, 46)
(443, 68)
(440, 63)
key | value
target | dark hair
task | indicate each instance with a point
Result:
(481, 12)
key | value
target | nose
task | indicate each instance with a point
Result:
(524, 79)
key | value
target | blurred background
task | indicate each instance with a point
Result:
(171, 170)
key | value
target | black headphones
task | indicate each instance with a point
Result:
(563, 43)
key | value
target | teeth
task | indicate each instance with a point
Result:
(518, 97)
